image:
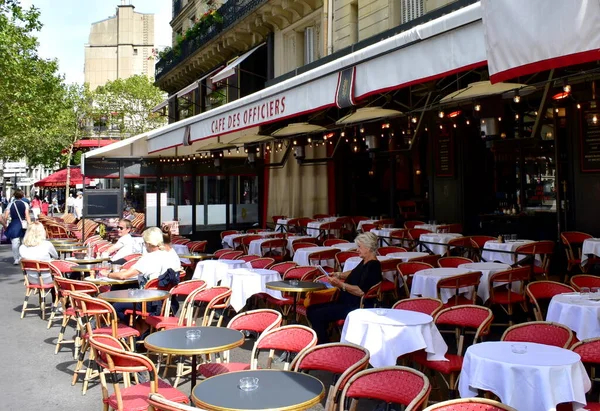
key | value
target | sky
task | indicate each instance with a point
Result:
(67, 26)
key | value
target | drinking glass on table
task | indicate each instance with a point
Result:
(585, 291)
(595, 291)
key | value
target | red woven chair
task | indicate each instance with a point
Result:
(400, 235)
(331, 230)
(231, 255)
(301, 273)
(302, 244)
(358, 218)
(425, 305)
(58, 268)
(342, 256)
(248, 258)
(589, 351)
(180, 241)
(277, 217)
(478, 242)
(342, 360)
(407, 209)
(503, 295)
(541, 332)
(322, 258)
(167, 315)
(463, 318)
(407, 270)
(215, 298)
(427, 259)
(64, 287)
(246, 240)
(281, 268)
(302, 224)
(573, 242)
(368, 227)
(289, 338)
(222, 251)
(414, 235)
(411, 224)
(390, 249)
(460, 247)
(130, 263)
(159, 403)
(333, 241)
(264, 262)
(584, 280)
(105, 323)
(388, 286)
(317, 216)
(275, 248)
(455, 283)
(38, 280)
(197, 246)
(453, 262)
(544, 249)
(469, 404)
(394, 385)
(132, 257)
(229, 232)
(544, 290)
(114, 360)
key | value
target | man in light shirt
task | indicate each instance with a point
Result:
(70, 202)
(78, 205)
(124, 246)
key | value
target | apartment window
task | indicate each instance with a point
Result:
(309, 44)
(410, 10)
(135, 52)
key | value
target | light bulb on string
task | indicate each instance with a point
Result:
(477, 107)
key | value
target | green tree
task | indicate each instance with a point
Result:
(128, 103)
(31, 90)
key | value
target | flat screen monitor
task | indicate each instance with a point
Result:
(102, 203)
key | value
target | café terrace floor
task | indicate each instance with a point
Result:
(33, 378)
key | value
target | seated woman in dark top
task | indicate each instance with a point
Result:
(357, 283)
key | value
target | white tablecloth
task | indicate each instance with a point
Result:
(213, 271)
(182, 249)
(590, 246)
(312, 228)
(345, 246)
(424, 283)
(396, 333)
(351, 263)
(245, 282)
(429, 227)
(487, 269)
(301, 256)
(138, 248)
(360, 224)
(281, 225)
(537, 380)
(581, 313)
(291, 239)
(408, 255)
(440, 241)
(384, 236)
(227, 241)
(254, 247)
(506, 258)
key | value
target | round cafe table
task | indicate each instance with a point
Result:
(537, 380)
(212, 272)
(579, 312)
(111, 281)
(212, 340)
(424, 283)
(301, 287)
(277, 390)
(487, 269)
(198, 256)
(85, 269)
(85, 261)
(134, 296)
(406, 256)
(246, 282)
(69, 249)
(389, 334)
(590, 247)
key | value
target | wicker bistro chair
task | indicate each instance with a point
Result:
(38, 280)
(407, 270)
(589, 351)
(333, 241)
(414, 234)
(246, 240)
(289, 338)
(584, 280)
(197, 246)
(230, 255)
(296, 245)
(157, 402)
(460, 247)
(453, 262)
(469, 404)
(167, 313)
(264, 262)
(429, 259)
(342, 256)
(247, 258)
(229, 232)
(573, 243)
(390, 249)
(342, 360)
(455, 283)
(59, 269)
(322, 258)
(394, 385)
(275, 248)
(425, 305)
(544, 291)
(388, 286)
(544, 249)
(112, 359)
(411, 224)
(301, 273)
(462, 318)
(99, 318)
(541, 332)
(503, 295)
(477, 244)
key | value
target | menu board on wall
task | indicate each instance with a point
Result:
(590, 139)
(444, 154)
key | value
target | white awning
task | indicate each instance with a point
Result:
(450, 44)
(196, 83)
(229, 70)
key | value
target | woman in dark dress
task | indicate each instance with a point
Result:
(357, 283)
(18, 211)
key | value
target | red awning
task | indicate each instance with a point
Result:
(59, 179)
(95, 142)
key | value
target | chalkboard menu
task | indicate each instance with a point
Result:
(102, 203)
(590, 139)
(444, 154)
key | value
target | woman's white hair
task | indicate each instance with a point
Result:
(153, 236)
(368, 240)
(35, 235)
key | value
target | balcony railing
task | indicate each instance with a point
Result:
(231, 12)
(177, 6)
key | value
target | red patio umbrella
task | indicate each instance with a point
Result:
(59, 179)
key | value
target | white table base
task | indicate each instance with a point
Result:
(214, 271)
(245, 283)
(424, 283)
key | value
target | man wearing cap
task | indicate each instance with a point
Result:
(78, 205)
